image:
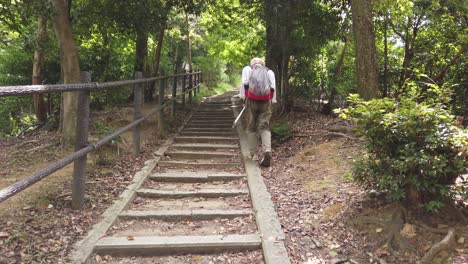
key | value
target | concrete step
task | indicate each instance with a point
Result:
(210, 122)
(198, 164)
(159, 245)
(212, 111)
(195, 177)
(179, 215)
(213, 116)
(199, 155)
(226, 140)
(204, 146)
(208, 129)
(213, 119)
(216, 126)
(207, 134)
(207, 193)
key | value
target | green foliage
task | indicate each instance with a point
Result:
(280, 130)
(213, 70)
(412, 145)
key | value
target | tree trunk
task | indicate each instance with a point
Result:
(157, 58)
(189, 43)
(364, 38)
(385, 72)
(149, 95)
(141, 49)
(141, 54)
(278, 30)
(39, 103)
(69, 62)
(339, 66)
(406, 62)
(409, 39)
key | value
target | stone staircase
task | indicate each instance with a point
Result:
(194, 207)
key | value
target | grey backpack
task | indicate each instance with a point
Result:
(259, 85)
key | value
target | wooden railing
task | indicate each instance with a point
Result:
(82, 146)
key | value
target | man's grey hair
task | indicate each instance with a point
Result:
(257, 61)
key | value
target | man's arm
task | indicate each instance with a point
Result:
(272, 80)
(245, 81)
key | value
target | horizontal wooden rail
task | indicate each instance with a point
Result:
(81, 152)
(55, 88)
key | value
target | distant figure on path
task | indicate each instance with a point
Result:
(258, 91)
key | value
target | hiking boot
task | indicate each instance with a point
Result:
(266, 161)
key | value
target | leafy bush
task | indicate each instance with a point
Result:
(414, 151)
(280, 130)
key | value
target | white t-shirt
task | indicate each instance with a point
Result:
(245, 80)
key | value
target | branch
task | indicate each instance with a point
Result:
(444, 70)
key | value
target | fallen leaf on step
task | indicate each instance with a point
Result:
(130, 238)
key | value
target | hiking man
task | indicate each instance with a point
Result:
(258, 90)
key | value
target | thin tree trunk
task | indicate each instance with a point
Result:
(69, 62)
(364, 37)
(189, 43)
(385, 73)
(39, 103)
(149, 96)
(141, 54)
(157, 58)
(406, 63)
(338, 68)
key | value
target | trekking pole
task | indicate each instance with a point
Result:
(238, 117)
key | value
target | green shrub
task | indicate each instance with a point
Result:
(413, 150)
(280, 130)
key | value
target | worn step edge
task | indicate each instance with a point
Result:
(177, 215)
(210, 125)
(207, 134)
(195, 178)
(208, 193)
(207, 137)
(202, 146)
(203, 118)
(211, 122)
(207, 129)
(160, 245)
(199, 155)
(185, 164)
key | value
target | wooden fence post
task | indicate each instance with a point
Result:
(183, 90)
(81, 141)
(198, 81)
(190, 86)
(161, 124)
(174, 95)
(137, 102)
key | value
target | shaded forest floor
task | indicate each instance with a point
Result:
(38, 224)
(326, 217)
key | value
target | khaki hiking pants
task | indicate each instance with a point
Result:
(258, 120)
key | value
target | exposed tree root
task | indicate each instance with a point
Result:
(394, 240)
(446, 244)
(441, 231)
(337, 134)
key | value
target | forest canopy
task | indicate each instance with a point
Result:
(310, 45)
